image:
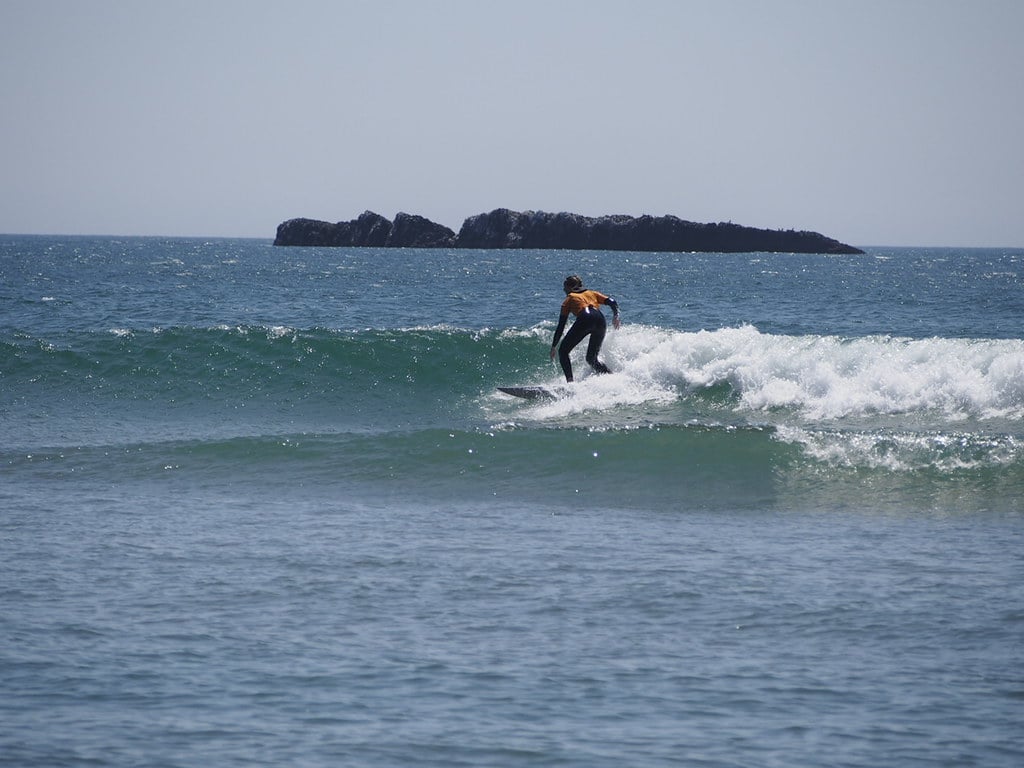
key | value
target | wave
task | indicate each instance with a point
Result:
(269, 371)
(829, 378)
(247, 353)
(658, 468)
(821, 378)
(873, 401)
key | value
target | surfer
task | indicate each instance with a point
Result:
(585, 304)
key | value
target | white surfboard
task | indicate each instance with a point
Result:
(530, 393)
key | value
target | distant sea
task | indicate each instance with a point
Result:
(264, 507)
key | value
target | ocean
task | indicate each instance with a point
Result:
(264, 506)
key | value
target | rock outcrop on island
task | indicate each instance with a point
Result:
(503, 228)
(370, 230)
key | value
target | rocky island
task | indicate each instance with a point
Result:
(503, 228)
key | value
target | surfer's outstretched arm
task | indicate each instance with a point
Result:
(562, 320)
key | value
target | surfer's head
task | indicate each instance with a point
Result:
(572, 283)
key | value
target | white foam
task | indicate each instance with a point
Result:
(596, 393)
(905, 451)
(279, 332)
(818, 377)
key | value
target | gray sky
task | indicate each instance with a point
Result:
(878, 122)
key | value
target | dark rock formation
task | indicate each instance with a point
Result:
(369, 230)
(411, 231)
(503, 228)
(306, 232)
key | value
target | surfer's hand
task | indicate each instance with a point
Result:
(552, 355)
(616, 323)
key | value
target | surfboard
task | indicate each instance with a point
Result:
(530, 393)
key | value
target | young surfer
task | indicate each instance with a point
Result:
(585, 304)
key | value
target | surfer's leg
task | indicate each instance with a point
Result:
(563, 359)
(572, 338)
(594, 347)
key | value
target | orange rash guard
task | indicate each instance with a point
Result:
(577, 302)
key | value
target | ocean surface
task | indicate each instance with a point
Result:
(264, 507)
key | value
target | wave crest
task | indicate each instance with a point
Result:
(828, 377)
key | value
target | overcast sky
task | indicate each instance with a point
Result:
(878, 122)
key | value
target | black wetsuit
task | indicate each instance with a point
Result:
(589, 321)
